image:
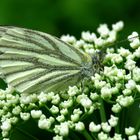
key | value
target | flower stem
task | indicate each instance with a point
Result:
(137, 127)
(102, 111)
(93, 135)
(87, 135)
(117, 128)
(123, 121)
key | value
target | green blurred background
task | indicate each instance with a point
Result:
(59, 17)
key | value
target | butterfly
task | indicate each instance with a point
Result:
(32, 61)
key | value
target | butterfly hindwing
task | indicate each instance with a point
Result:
(33, 61)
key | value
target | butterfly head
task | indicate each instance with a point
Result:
(94, 66)
(97, 62)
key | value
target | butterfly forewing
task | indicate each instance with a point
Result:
(33, 61)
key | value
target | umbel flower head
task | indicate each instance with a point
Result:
(104, 107)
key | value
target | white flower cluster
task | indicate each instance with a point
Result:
(84, 110)
(89, 42)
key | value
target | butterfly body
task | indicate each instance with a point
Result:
(33, 61)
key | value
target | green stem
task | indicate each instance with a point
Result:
(95, 137)
(117, 128)
(136, 99)
(137, 128)
(87, 135)
(49, 111)
(122, 122)
(102, 110)
(83, 116)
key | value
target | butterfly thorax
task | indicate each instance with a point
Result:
(97, 61)
(94, 65)
(87, 70)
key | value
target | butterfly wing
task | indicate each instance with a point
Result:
(33, 61)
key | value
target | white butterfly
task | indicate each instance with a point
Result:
(33, 61)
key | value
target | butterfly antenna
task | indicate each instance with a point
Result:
(101, 53)
(124, 40)
(119, 42)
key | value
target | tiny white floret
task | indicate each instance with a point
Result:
(36, 113)
(25, 116)
(94, 128)
(6, 125)
(129, 131)
(133, 137)
(79, 126)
